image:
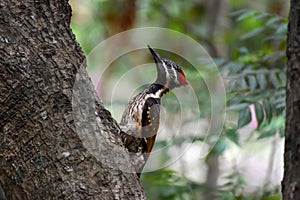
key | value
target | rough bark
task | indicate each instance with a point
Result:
(52, 146)
(291, 180)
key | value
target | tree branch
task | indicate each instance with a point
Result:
(45, 122)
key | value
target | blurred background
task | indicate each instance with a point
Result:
(246, 40)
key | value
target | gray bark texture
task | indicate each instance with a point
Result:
(52, 145)
(291, 180)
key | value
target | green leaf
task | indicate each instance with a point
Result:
(272, 20)
(260, 16)
(252, 33)
(231, 84)
(273, 79)
(282, 29)
(279, 103)
(251, 98)
(227, 196)
(277, 122)
(272, 197)
(219, 147)
(252, 82)
(238, 106)
(261, 81)
(244, 117)
(243, 50)
(231, 94)
(245, 15)
(242, 83)
(268, 110)
(268, 133)
(281, 132)
(237, 12)
(259, 113)
(232, 135)
(234, 67)
(282, 77)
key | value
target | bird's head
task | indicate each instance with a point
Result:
(169, 74)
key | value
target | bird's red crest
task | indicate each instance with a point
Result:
(183, 80)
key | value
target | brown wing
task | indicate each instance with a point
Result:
(150, 122)
(140, 138)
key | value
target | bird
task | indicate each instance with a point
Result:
(140, 120)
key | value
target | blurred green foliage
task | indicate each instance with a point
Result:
(247, 42)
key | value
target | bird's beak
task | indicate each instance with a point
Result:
(156, 56)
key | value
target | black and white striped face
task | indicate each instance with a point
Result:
(169, 74)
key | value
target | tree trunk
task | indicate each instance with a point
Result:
(291, 180)
(52, 144)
